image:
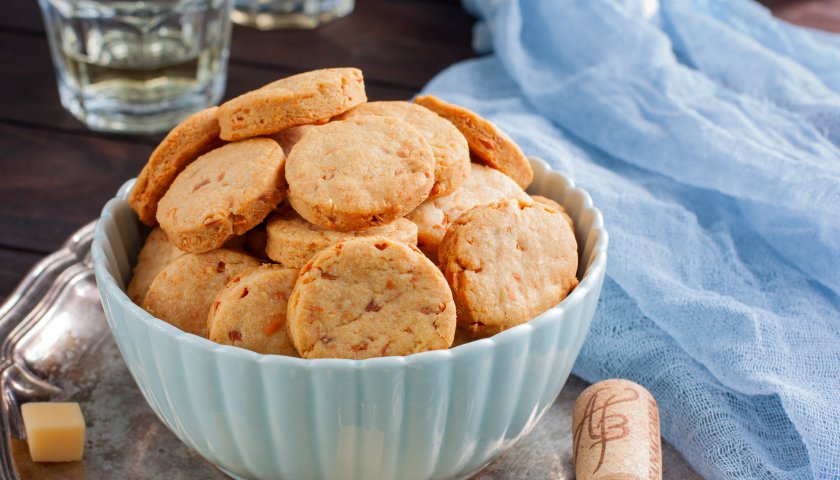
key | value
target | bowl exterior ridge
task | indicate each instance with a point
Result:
(439, 414)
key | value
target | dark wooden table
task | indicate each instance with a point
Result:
(55, 175)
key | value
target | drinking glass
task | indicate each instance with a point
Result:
(138, 66)
(275, 14)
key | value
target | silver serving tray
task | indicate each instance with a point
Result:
(56, 346)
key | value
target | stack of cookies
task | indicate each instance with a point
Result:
(299, 219)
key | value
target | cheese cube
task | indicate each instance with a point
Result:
(55, 432)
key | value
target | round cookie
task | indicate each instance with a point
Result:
(222, 194)
(156, 254)
(297, 100)
(183, 292)
(359, 173)
(508, 262)
(190, 139)
(433, 217)
(452, 154)
(370, 297)
(292, 241)
(489, 143)
(250, 311)
(289, 137)
(551, 203)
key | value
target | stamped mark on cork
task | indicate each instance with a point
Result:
(601, 424)
(616, 433)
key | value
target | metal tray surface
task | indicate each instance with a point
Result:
(56, 346)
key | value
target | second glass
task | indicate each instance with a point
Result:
(278, 14)
(138, 66)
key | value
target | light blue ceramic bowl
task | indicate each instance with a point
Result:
(440, 414)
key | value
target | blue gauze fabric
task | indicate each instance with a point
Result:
(708, 133)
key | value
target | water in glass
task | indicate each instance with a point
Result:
(138, 66)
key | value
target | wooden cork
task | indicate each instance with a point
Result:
(616, 433)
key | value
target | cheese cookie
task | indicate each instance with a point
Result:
(250, 311)
(292, 241)
(183, 292)
(359, 173)
(222, 194)
(452, 155)
(433, 217)
(508, 262)
(297, 100)
(487, 142)
(370, 297)
(190, 139)
(156, 254)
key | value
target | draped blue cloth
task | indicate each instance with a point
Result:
(708, 133)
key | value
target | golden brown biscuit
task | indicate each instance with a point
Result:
(297, 100)
(551, 203)
(370, 297)
(190, 139)
(487, 141)
(292, 241)
(183, 292)
(222, 194)
(508, 262)
(433, 217)
(250, 311)
(452, 154)
(156, 254)
(359, 173)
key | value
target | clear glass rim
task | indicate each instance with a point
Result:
(108, 8)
